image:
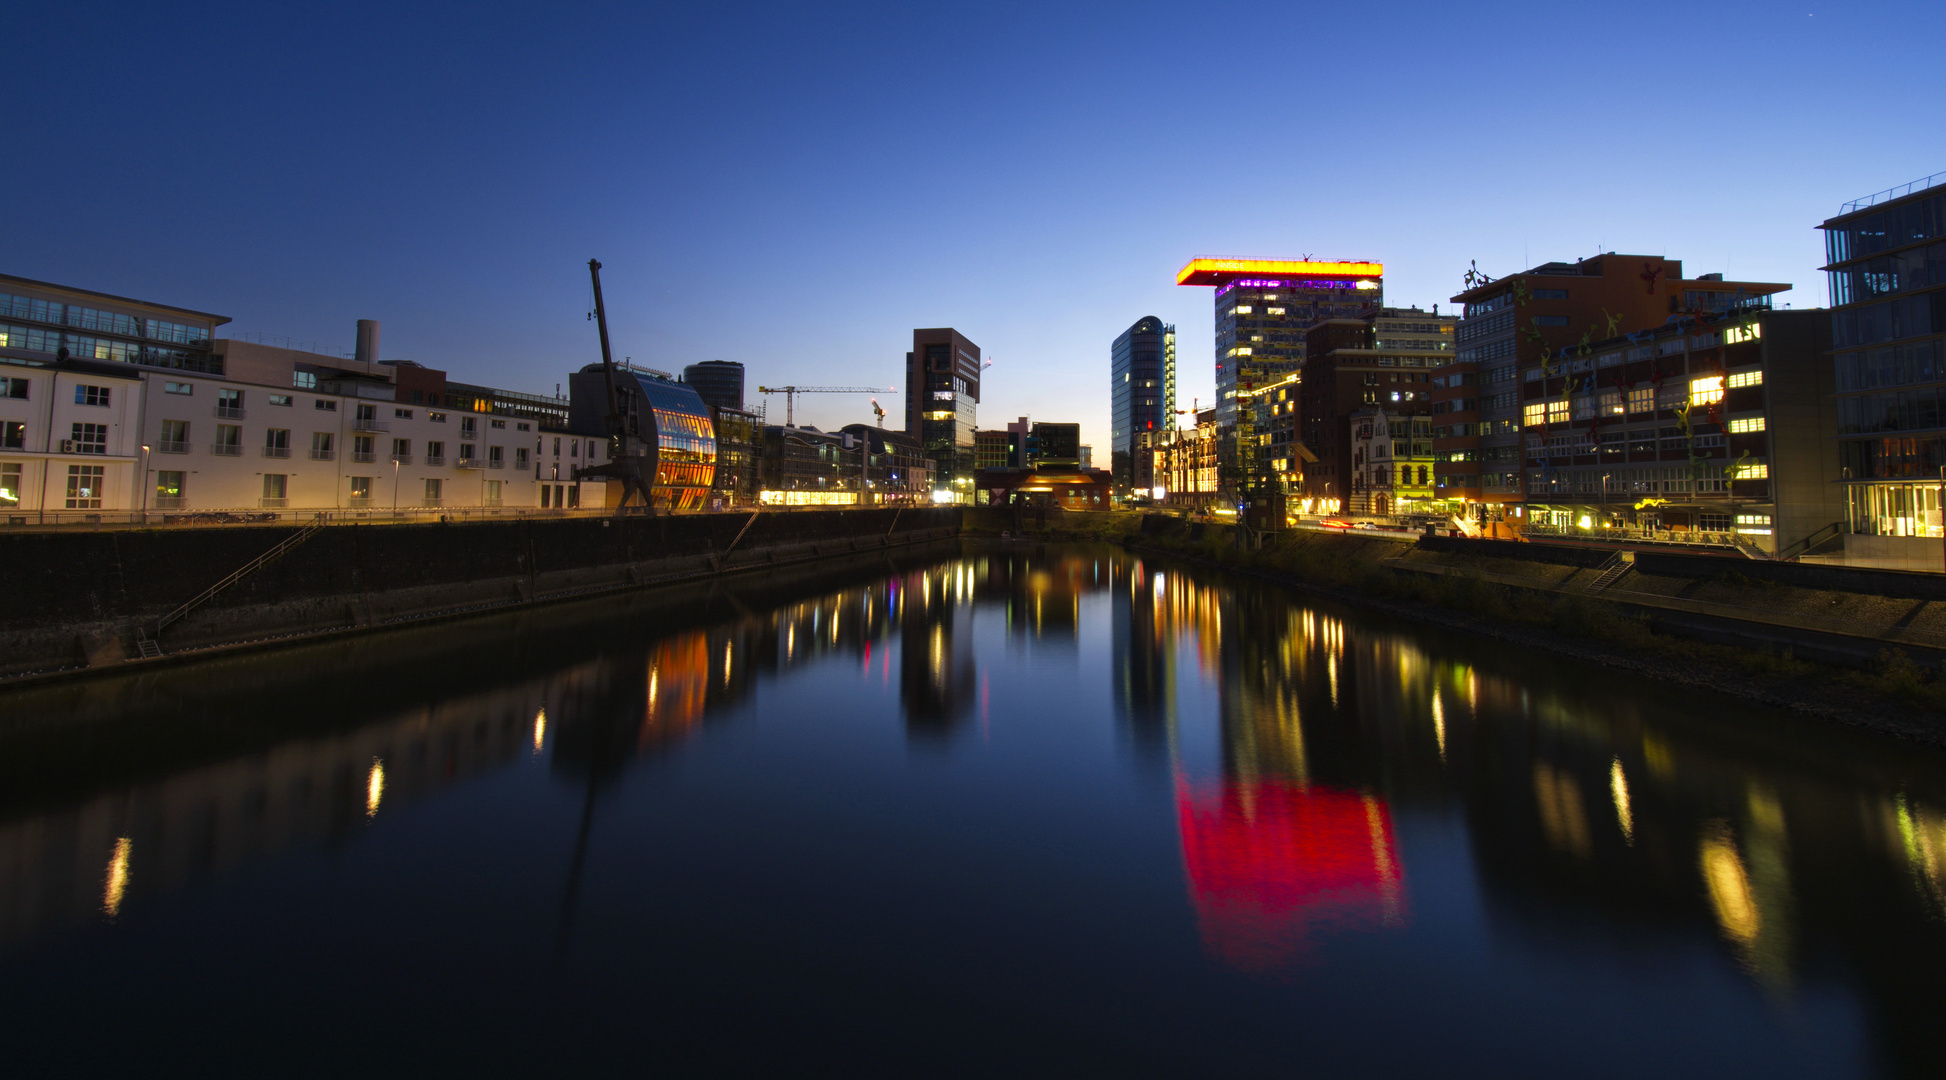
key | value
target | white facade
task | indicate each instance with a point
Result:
(94, 437)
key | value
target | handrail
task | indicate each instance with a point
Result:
(1891, 193)
(740, 532)
(240, 573)
(1811, 540)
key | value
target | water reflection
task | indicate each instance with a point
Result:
(1323, 772)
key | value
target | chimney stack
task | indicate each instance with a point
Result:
(368, 341)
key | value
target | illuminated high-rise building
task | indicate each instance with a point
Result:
(1142, 393)
(1263, 307)
(942, 394)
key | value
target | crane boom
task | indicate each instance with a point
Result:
(790, 395)
(627, 450)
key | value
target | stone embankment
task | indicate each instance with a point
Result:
(91, 601)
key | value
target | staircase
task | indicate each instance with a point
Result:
(147, 646)
(1618, 564)
(235, 576)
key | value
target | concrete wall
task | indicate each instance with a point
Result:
(66, 587)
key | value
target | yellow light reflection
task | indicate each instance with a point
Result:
(1729, 889)
(1439, 724)
(374, 786)
(115, 882)
(540, 728)
(726, 662)
(1618, 786)
(1563, 817)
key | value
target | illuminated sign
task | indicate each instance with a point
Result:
(1224, 271)
(1737, 335)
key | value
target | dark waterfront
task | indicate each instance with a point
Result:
(1017, 810)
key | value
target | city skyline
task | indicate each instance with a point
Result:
(433, 179)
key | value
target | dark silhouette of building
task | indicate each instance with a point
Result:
(718, 382)
(1142, 396)
(942, 394)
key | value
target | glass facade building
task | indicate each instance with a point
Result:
(669, 415)
(1886, 261)
(1142, 396)
(942, 378)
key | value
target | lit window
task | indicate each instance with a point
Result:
(1641, 401)
(1746, 378)
(1244, 309)
(1706, 390)
(1274, 311)
(1533, 415)
(1557, 411)
(178, 388)
(1752, 472)
(1241, 350)
(1746, 426)
(1270, 296)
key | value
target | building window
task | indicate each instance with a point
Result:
(492, 493)
(466, 427)
(1706, 391)
(436, 417)
(229, 404)
(85, 394)
(402, 414)
(432, 493)
(304, 380)
(325, 405)
(1642, 401)
(90, 439)
(1752, 472)
(361, 449)
(1534, 413)
(84, 486)
(229, 441)
(322, 448)
(14, 388)
(277, 443)
(466, 451)
(498, 423)
(435, 453)
(276, 489)
(1746, 425)
(361, 490)
(1745, 378)
(283, 400)
(13, 435)
(178, 388)
(1551, 294)
(168, 489)
(10, 484)
(402, 449)
(523, 427)
(175, 437)
(520, 458)
(496, 457)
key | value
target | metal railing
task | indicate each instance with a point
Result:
(469, 463)
(229, 412)
(324, 455)
(401, 459)
(170, 502)
(363, 457)
(238, 574)
(227, 449)
(363, 424)
(167, 447)
(496, 463)
(277, 451)
(436, 459)
(1894, 192)
(273, 504)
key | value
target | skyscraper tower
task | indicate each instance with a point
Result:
(1142, 392)
(1263, 307)
(718, 382)
(942, 394)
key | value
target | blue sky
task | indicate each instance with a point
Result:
(798, 186)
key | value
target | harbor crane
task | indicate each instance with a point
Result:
(790, 395)
(631, 453)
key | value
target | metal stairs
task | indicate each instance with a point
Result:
(237, 575)
(1618, 564)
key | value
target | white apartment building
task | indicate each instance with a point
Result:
(225, 427)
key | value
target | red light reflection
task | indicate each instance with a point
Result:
(1272, 863)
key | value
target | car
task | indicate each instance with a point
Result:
(1365, 525)
(1334, 523)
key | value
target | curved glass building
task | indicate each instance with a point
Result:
(676, 422)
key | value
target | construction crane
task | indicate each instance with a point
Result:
(631, 457)
(879, 411)
(790, 395)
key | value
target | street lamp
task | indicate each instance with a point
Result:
(145, 484)
(395, 486)
(1604, 497)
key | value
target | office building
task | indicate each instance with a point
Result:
(942, 396)
(1185, 464)
(806, 467)
(1142, 397)
(668, 414)
(990, 449)
(1886, 259)
(1391, 462)
(1717, 428)
(718, 382)
(739, 455)
(1517, 324)
(1263, 309)
(1055, 444)
(1348, 371)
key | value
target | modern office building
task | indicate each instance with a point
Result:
(990, 449)
(1142, 397)
(1056, 444)
(1347, 371)
(1717, 428)
(1518, 324)
(718, 382)
(739, 455)
(1886, 260)
(1263, 309)
(942, 396)
(807, 467)
(670, 415)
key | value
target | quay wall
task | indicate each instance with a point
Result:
(78, 599)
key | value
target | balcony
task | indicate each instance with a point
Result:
(229, 412)
(366, 423)
(469, 463)
(496, 463)
(273, 504)
(436, 460)
(170, 502)
(227, 450)
(169, 447)
(324, 455)
(401, 459)
(363, 457)
(277, 451)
